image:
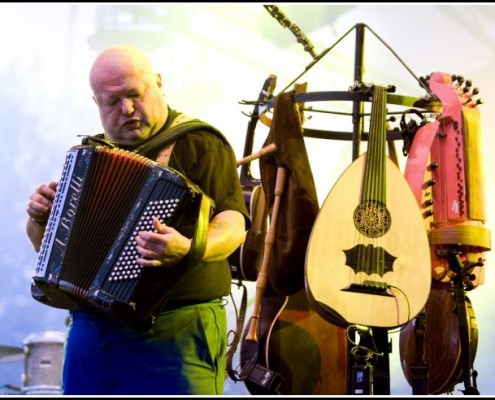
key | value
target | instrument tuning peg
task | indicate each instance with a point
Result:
(428, 213)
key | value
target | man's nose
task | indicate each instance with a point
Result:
(127, 106)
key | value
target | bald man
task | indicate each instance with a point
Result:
(184, 351)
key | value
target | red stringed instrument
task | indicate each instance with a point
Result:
(368, 257)
(445, 171)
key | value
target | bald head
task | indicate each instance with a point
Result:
(120, 59)
(129, 95)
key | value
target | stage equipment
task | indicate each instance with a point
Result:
(43, 363)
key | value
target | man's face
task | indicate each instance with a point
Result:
(131, 105)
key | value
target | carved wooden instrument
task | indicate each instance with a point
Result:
(445, 171)
(442, 341)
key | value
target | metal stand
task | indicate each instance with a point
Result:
(420, 370)
(380, 385)
(363, 378)
(368, 366)
(457, 266)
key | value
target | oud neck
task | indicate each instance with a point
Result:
(374, 183)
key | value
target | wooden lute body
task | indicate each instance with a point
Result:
(368, 258)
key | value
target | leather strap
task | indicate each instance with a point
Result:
(237, 336)
(198, 244)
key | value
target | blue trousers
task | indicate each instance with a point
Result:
(182, 354)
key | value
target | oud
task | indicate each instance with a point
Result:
(368, 257)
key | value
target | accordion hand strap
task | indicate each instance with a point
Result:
(198, 244)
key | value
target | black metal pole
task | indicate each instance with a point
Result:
(357, 110)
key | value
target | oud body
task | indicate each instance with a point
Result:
(405, 280)
(368, 259)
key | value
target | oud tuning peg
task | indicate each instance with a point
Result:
(391, 88)
(475, 91)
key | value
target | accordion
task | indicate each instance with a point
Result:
(88, 254)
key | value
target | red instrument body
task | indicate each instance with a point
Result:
(445, 171)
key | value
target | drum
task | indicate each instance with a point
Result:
(43, 363)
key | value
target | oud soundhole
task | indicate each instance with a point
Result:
(372, 218)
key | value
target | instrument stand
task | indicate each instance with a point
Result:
(381, 384)
(368, 368)
(463, 274)
(420, 370)
(362, 378)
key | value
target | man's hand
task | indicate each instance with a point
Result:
(165, 247)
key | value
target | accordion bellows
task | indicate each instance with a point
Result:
(88, 257)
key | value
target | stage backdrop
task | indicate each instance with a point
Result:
(212, 57)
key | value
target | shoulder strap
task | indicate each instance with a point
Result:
(172, 134)
(182, 125)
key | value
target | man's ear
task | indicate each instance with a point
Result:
(158, 79)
